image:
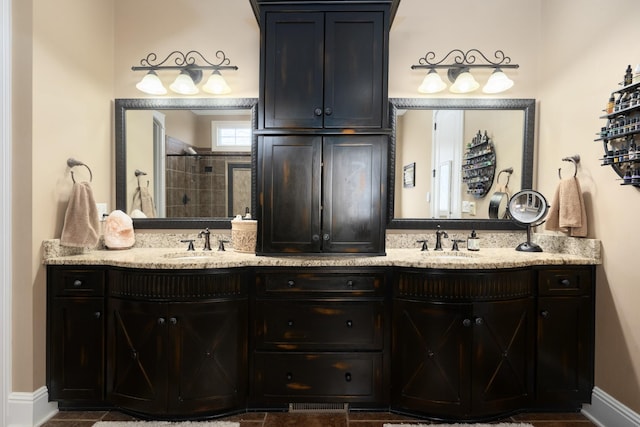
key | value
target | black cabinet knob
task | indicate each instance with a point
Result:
(349, 323)
(565, 282)
(544, 313)
(77, 283)
(317, 111)
(350, 283)
(173, 320)
(161, 320)
(479, 321)
(134, 355)
(466, 323)
(291, 283)
(290, 323)
(347, 377)
(315, 237)
(328, 111)
(289, 376)
(325, 237)
(97, 314)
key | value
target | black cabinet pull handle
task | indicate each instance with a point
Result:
(565, 282)
(289, 376)
(328, 111)
(97, 314)
(479, 321)
(317, 111)
(77, 283)
(347, 377)
(173, 320)
(466, 323)
(349, 324)
(291, 283)
(544, 313)
(161, 320)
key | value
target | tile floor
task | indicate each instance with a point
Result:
(283, 419)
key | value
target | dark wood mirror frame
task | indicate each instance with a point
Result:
(124, 105)
(526, 105)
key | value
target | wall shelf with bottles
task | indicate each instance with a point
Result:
(621, 135)
(479, 165)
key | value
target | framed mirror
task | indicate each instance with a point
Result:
(192, 160)
(445, 142)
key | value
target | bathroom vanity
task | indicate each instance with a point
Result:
(167, 334)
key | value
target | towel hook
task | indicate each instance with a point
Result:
(71, 163)
(508, 171)
(138, 172)
(575, 159)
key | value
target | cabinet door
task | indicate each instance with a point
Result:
(353, 194)
(293, 70)
(290, 194)
(208, 362)
(431, 350)
(355, 70)
(137, 361)
(76, 341)
(565, 351)
(503, 355)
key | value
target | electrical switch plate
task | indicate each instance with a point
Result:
(472, 208)
(465, 206)
(102, 211)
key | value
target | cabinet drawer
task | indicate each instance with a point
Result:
(565, 281)
(296, 283)
(337, 325)
(294, 377)
(76, 281)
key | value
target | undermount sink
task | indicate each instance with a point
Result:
(190, 254)
(450, 255)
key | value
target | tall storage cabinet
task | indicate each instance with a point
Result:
(322, 126)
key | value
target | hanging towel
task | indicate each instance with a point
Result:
(143, 201)
(81, 227)
(567, 212)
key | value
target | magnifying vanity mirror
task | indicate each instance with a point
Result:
(194, 158)
(445, 153)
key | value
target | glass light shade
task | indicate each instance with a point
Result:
(432, 83)
(216, 84)
(151, 84)
(184, 84)
(464, 83)
(498, 82)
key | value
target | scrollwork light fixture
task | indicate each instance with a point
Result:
(458, 72)
(190, 73)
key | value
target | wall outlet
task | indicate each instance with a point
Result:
(465, 206)
(472, 208)
(102, 211)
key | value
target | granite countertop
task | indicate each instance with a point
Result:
(174, 258)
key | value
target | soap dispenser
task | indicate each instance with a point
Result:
(473, 242)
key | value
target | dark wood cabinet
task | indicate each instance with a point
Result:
(566, 313)
(178, 358)
(75, 336)
(320, 337)
(323, 126)
(323, 194)
(324, 69)
(463, 344)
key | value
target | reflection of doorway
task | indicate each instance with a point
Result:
(448, 134)
(238, 188)
(159, 150)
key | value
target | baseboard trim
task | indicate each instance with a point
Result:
(605, 411)
(30, 409)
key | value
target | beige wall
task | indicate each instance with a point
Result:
(67, 71)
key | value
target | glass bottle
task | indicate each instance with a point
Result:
(611, 104)
(628, 76)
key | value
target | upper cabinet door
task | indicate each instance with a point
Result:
(293, 73)
(324, 70)
(354, 70)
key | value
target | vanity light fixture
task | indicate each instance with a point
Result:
(459, 72)
(190, 73)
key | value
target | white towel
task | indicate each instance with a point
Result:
(143, 201)
(567, 212)
(81, 226)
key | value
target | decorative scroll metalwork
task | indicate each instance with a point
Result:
(182, 61)
(461, 59)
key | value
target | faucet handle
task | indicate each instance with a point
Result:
(424, 244)
(455, 244)
(190, 247)
(221, 245)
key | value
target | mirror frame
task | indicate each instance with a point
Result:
(123, 105)
(526, 105)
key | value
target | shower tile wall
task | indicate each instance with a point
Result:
(197, 184)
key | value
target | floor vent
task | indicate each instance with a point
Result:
(319, 407)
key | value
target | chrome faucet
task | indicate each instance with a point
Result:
(439, 235)
(207, 239)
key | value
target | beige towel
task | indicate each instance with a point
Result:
(567, 212)
(143, 201)
(81, 227)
